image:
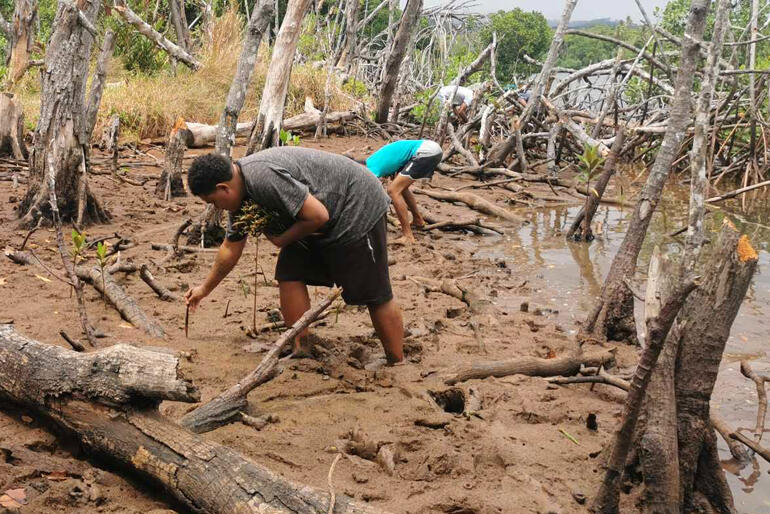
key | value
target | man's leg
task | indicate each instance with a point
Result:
(396, 190)
(389, 325)
(411, 202)
(295, 301)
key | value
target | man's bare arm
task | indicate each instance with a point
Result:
(227, 257)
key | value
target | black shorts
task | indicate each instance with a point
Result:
(424, 162)
(359, 268)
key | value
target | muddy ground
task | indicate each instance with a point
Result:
(527, 449)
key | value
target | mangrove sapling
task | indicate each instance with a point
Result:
(101, 257)
(78, 248)
(254, 220)
(590, 161)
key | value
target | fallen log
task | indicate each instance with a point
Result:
(460, 225)
(108, 399)
(532, 366)
(199, 134)
(473, 201)
(163, 293)
(226, 407)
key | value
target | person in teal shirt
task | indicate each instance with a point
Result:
(406, 161)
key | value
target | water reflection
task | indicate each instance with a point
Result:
(569, 276)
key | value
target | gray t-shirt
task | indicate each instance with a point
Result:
(279, 179)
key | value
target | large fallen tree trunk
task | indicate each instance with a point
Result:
(199, 134)
(108, 400)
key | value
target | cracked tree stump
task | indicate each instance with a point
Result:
(108, 399)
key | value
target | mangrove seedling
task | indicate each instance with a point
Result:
(101, 257)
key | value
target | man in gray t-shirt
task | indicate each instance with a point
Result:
(329, 223)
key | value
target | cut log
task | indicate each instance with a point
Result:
(11, 128)
(107, 399)
(475, 202)
(199, 134)
(566, 365)
(226, 407)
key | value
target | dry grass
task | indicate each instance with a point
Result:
(149, 105)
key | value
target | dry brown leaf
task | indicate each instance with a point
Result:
(13, 498)
(57, 476)
(42, 278)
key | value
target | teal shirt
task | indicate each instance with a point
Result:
(392, 157)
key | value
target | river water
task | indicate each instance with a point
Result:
(568, 276)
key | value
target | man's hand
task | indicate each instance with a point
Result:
(194, 296)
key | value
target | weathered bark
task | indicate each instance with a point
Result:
(701, 332)
(473, 201)
(586, 214)
(97, 82)
(179, 20)
(404, 33)
(153, 35)
(108, 400)
(699, 154)
(162, 292)
(565, 365)
(11, 128)
(62, 128)
(225, 407)
(236, 97)
(660, 311)
(269, 121)
(351, 28)
(170, 183)
(22, 37)
(500, 151)
(613, 317)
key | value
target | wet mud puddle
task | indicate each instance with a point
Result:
(565, 278)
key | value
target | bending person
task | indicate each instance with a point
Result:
(406, 161)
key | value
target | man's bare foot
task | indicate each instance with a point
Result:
(302, 350)
(405, 240)
(381, 362)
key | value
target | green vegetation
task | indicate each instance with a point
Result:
(520, 33)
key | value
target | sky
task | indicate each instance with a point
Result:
(585, 10)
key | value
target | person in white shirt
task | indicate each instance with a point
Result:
(460, 101)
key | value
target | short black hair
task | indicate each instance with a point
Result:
(206, 171)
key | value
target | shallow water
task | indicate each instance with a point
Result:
(568, 276)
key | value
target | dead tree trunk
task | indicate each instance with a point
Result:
(22, 37)
(701, 332)
(108, 399)
(267, 127)
(62, 127)
(500, 151)
(351, 25)
(586, 214)
(395, 58)
(11, 128)
(236, 97)
(97, 83)
(613, 316)
(179, 20)
(170, 183)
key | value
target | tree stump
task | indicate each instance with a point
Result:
(170, 183)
